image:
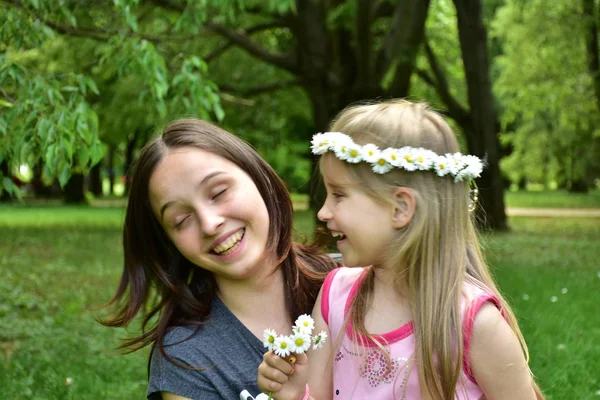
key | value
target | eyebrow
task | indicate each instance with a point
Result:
(202, 182)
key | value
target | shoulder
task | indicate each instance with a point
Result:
(341, 279)
(497, 359)
(337, 286)
(492, 339)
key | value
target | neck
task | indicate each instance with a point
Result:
(386, 279)
(258, 302)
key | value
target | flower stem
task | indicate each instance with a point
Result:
(270, 394)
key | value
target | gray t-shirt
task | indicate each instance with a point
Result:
(228, 351)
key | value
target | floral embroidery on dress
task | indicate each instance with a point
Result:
(374, 368)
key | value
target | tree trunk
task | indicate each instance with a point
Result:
(95, 180)
(40, 189)
(337, 68)
(593, 61)
(484, 136)
(129, 149)
(110, 168)
(74, 193)
(5, 172)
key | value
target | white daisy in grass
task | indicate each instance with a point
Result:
(319, 340)
(392, 156)
(370, 153)
(305, 323)
(381, 166)
(300, 342)
(283, 346)
(424, 159)
(408, 158)
(269, 336)
(442, 165)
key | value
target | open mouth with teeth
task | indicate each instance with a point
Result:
(230, 245)
(339, 236)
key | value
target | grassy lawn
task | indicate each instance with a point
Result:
(59, 264)
(552, 199)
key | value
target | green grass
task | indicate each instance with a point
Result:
(552, 199)
(59, 264)
(534, 264)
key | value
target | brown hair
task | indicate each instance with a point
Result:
(158, 281)
(436, 252)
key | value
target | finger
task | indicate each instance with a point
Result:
(272, 374)
(276, 362)
(301, 359)
(268, 386)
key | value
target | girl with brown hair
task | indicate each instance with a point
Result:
(209, 262)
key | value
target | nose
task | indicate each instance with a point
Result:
(324, 214)
(210, 220)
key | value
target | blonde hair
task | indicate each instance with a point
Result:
(436, 252)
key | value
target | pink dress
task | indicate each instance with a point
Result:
(359, 372)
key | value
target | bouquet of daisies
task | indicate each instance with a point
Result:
(298, 342)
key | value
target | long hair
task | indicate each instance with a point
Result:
(436, 252)
(158, 281)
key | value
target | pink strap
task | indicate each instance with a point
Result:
(307, 393)
(325, 295)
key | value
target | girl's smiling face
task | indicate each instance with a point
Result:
(212, 212)
(363, 224)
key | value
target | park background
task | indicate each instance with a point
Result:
(84, 84)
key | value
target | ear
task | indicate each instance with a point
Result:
(404, 207)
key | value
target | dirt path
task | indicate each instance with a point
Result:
(553, 212)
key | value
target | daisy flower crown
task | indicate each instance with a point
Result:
(461, 167)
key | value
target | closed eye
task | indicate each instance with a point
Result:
(216, 196)
(179, 224)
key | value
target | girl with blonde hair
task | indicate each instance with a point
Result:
(416, 313)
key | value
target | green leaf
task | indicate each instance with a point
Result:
(65, 175)
(83, 156)
(50, 160)
(5, 103)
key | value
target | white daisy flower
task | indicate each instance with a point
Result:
(424, 159)
(269, 336)
(408, 158)
(342, 148)
(319, 340)
(305, 323)
(442, 165)
(472, 168)
(336, 138)
(319, 144)
(456, 164)
(300, 342)
(381, 166)
(370, 153)
(283, 346)
(392, 156)
(354, 154)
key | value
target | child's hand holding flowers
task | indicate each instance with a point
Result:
(284, 368)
